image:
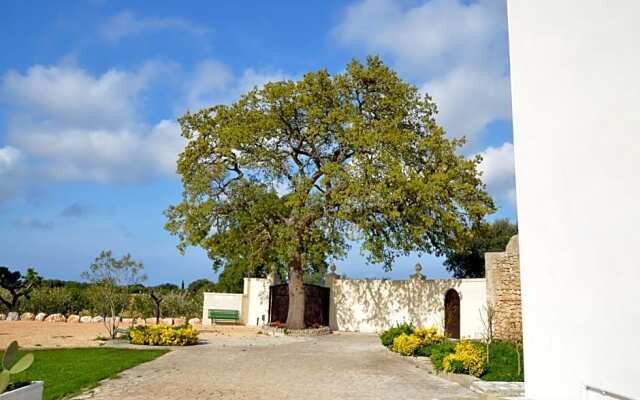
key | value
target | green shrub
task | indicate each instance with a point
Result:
(424, 351)
(468, 358)
(50, 300)
(439, 352)
(406, 344)
(140, 306)
(390, 334)
(181, 304)
(159, 335)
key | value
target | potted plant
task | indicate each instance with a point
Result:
(18, 390)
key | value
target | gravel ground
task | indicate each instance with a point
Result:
(338, 366)
(37, 334)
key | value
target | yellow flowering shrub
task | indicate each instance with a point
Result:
(468, 358)
(428, 336)
(159, 335)
(406, 344)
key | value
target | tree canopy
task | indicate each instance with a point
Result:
(17, 286)
(469, 263)
(293, 172)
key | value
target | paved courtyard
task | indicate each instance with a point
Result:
(339, 366)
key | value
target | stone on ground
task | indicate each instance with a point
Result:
(73, 318)
(27, 316)
(56, 318)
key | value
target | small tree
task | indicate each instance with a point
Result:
(487, 317)
(157, 301)
(110, 279)
(17, 286)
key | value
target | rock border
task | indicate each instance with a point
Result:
(74, 319)
(275, 331)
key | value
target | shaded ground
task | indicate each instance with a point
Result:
(339, 366)
(37, 334)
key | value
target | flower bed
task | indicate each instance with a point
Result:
(461, 357)
(159, 335)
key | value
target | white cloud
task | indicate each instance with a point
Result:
(498, 171)
(9, 157)
(213, 82)
(127, 24)
(456, 51)
(71, 95)
(469, 99)
(209, 80)
(74, 125)
(10, 171)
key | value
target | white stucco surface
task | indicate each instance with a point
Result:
(256, 291)
(220, 301)
(375, 305)
(576, 93)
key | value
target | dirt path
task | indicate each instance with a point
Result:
(37, 334)
(339, 366)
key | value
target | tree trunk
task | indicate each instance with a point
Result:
(295, 316)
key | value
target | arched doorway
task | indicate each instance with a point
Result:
(452, 314)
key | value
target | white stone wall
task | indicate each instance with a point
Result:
(220, 301)
(576, 91)
(256, 292)
(375, 305)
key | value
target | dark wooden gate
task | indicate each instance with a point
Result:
(316, 304)
(452, 314)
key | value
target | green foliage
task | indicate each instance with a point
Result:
(180, 303)
(66, 372)
(424, 351)
(469, 262)
(16, 286)
(439, 352)
(291, 173)
(159, 335)
(12, 367)
(165, 287)
(468, 358)
(52, 300)
(201, 285)
(139, 306)
(405, 344)
(503, 363)
(110, 279)
(387, 337)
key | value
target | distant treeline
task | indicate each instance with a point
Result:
(72, 297)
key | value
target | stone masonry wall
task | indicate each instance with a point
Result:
(503, 291)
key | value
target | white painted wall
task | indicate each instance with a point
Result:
(375, 305)
(256, 291)
(220, 301)
(575, 75)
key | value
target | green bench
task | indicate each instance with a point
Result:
(224, 315)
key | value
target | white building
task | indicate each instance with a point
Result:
(575, 76)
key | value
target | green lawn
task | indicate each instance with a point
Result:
(70, 371)
(503, 363)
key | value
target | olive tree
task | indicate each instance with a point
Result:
(110, 279)
(16, 286)
(294, 172)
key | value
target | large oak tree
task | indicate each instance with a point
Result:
(295, 171)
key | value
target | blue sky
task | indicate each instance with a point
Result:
(90, 92)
